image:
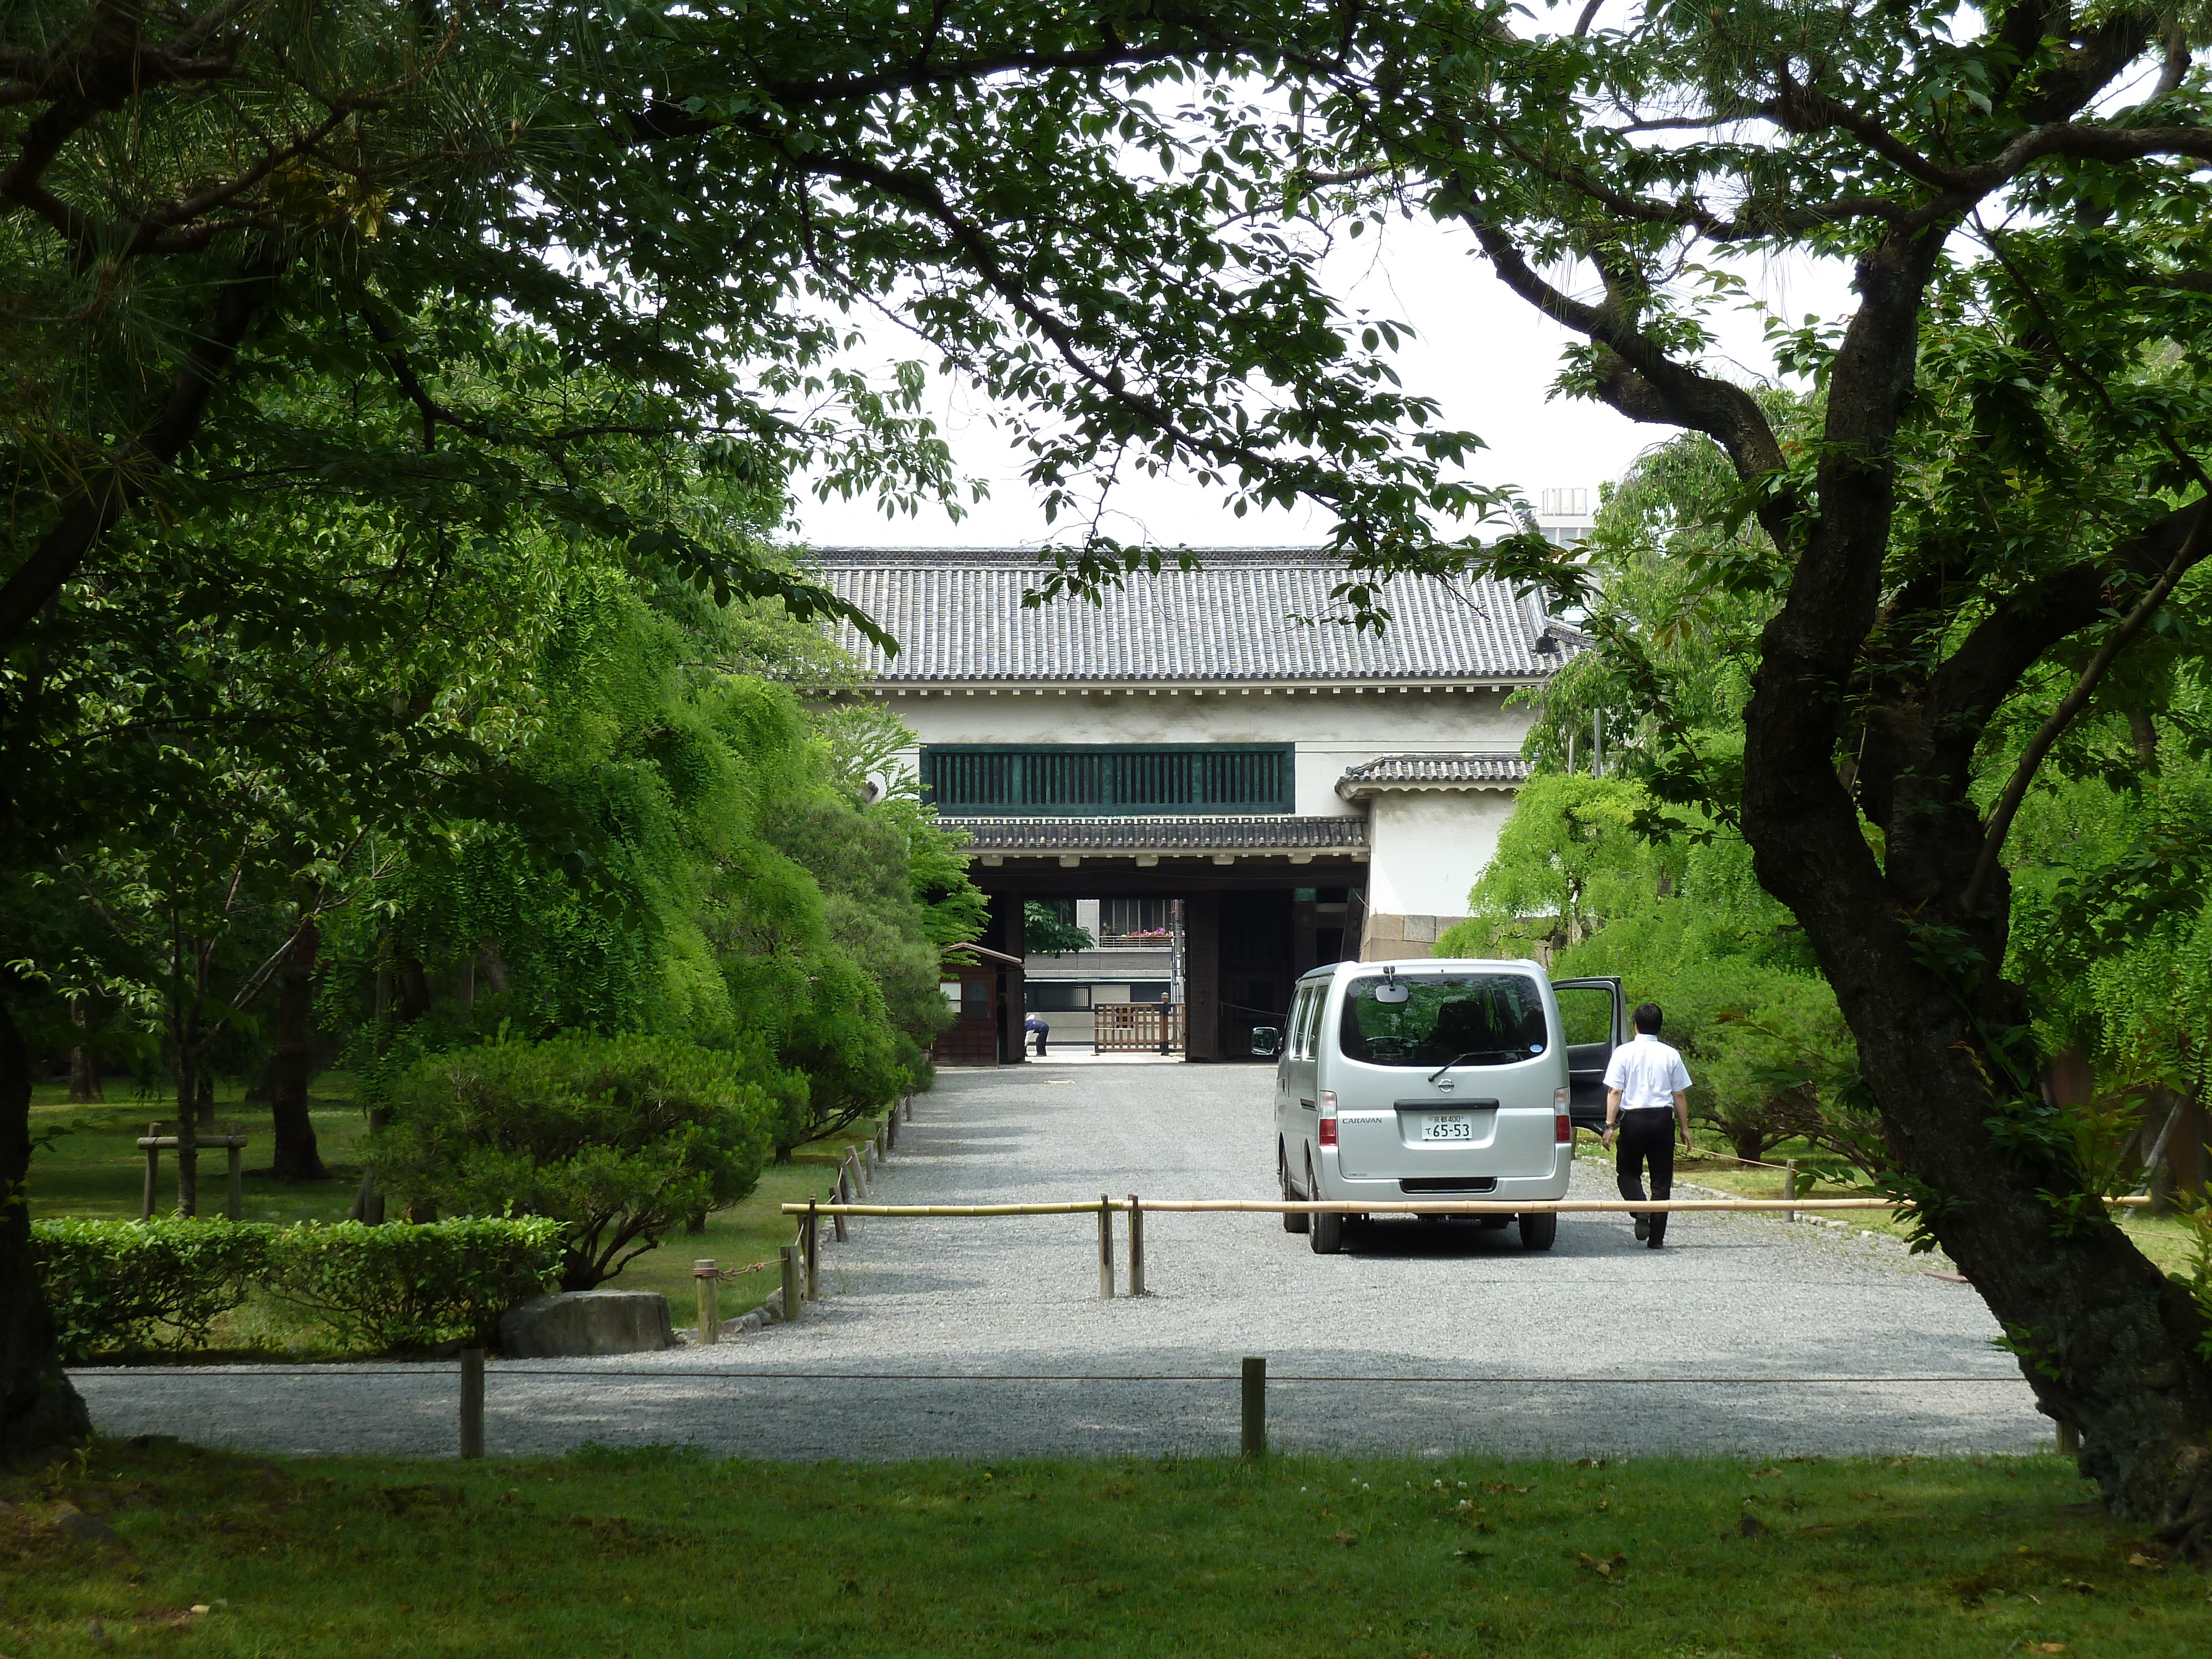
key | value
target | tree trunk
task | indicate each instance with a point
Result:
(292, 1062)
(1749, 1145)
(84, 1068)
(40, 1413)
(203, 1100)
(2108, 1344)
(188, 1141)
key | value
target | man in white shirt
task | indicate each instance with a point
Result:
(1646, 1102)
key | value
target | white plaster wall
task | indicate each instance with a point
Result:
(1332, 730)
(1429, 846)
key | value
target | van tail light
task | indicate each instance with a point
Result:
(1327, 1101)
(1562, 1129)
(1329, 1132)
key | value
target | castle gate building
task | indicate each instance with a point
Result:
(1225, 786)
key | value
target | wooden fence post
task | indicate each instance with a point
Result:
(704, 1280)
(2069, 1440)
(1255, 1405)
(473, 1402)
(153, 1170)
(236, 1207)
(910, 1109)
(1789, 1186)
(891, 1128)
(837, 1221)
(813, 1252)
(1105, 1246)
(790, 1297)
(1136, 1247)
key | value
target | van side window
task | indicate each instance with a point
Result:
(1310, 1020)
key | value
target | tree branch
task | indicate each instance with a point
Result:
(1654, 388)
(120, 482)
(1999, 824)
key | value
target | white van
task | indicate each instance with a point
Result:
(1441, 1079)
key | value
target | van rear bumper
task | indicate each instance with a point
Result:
(1338, 1188)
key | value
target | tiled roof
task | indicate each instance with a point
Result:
(1432, 771)
(959, 617)
(1339, 834)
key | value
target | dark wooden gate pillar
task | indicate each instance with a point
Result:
(1013, 995)
(1201, 976)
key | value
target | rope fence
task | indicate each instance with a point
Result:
(1252, 1379)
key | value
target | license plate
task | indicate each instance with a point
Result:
(1447, 1126)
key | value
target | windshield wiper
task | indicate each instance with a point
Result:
(1436, 1076)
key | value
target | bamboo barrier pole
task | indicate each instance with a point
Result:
(1136, 1247)
(813, 1251)
(1105, 1248)
(1379, 1207)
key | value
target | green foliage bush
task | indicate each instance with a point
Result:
(399, 1286)
(115, 1285)
(619, 1139)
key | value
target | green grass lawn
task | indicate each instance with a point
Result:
(2166, 1240)
(94, 1168)
(606, 1556)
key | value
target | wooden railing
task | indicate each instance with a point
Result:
(1129, 1028)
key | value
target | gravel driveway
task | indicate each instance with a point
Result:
(1600, 1347)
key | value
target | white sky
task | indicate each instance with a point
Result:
(1487, 356)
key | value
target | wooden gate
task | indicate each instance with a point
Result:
(1138, 1027)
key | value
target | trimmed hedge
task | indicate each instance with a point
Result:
(115, 1285)
(109, 1284)
(399, 1286)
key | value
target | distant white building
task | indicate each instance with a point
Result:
(1304, 791)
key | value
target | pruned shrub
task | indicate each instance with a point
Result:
(124, 1284)
(399, 1286)
(619, 1139)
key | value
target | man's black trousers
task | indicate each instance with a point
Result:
(1646, 1136)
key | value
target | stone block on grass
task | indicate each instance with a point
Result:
(578, 1324)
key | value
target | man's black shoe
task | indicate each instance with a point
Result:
(1644, 1226)
(1652, 1243)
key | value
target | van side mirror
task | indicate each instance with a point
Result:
(1266, 1041)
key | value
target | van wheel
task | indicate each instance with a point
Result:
(1539, 1230)
(1326, 1233)
(1291, 1224)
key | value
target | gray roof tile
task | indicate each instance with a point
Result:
(959, 617)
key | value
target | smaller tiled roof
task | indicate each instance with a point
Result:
(1329, 834)
(1433, 771)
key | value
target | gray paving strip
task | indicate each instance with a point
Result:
(932, 1334)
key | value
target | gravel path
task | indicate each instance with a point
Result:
(927, 1308)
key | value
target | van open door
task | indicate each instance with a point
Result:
(1594, 1013)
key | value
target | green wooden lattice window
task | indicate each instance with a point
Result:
(1097, 780)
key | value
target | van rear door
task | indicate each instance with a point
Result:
(1594, 1016)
